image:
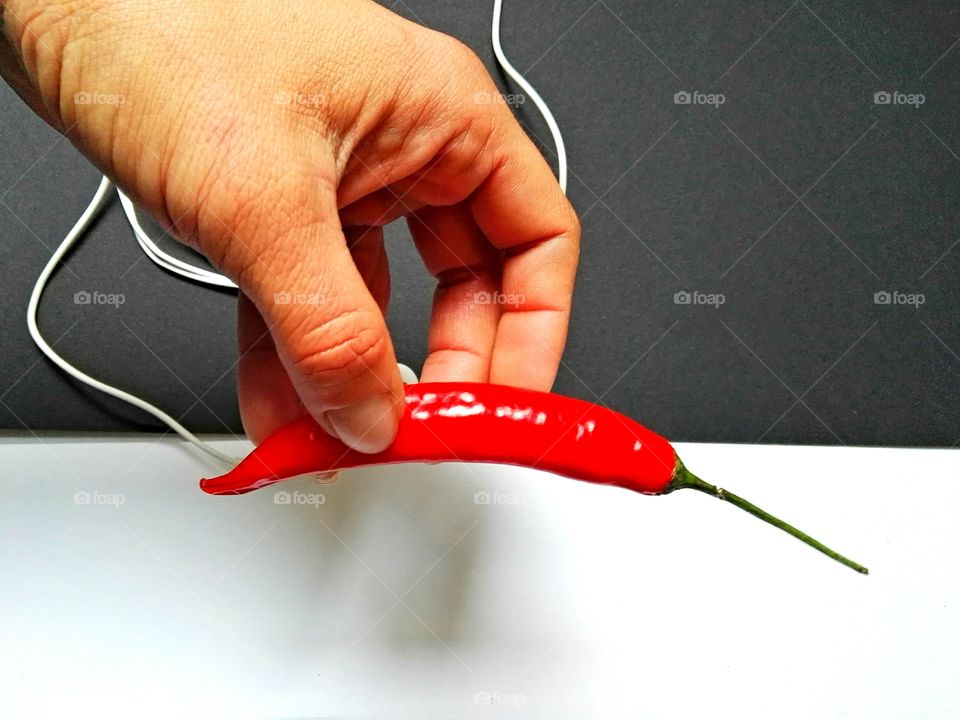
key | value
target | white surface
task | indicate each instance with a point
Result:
(401, 597)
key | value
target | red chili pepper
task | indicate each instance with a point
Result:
(477, 422)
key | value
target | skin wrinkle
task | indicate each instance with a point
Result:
(164, 163)
(405, 161)
(344, 144)
(187, 232)
(28, 41)
(413, 127)
(413, 198)
(407, 51)
(333, 376)
(343, 139)
(455, 348)
(354, 346)
(207, 181)
(368, 253)
(401, 152)
(272, 228)
(11, 67)
(165, 159)
(358, 125)
(275, 224)
(66, 26)
(448, 151)
(56, 103)
(453, 276)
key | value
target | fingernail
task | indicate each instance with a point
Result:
(369, 426)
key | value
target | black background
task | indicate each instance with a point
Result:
(797, 199)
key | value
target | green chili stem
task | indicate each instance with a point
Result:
(683, 478)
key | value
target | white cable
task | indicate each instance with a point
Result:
(75, 234)
(166, 261)
(512, 72)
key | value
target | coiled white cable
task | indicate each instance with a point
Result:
(512, 72)
(208, 277)
(166, 261)
(72, 237)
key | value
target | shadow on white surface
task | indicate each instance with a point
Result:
(475, 591)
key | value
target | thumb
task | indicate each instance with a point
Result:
(328, 330)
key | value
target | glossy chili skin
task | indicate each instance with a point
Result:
(476, 422)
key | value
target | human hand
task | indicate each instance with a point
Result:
(278, 139)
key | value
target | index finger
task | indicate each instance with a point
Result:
(523, 212)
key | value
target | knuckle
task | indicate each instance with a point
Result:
(31, 27)
(456, 58)
(340, 349)
(465, 57)
(576, 228)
